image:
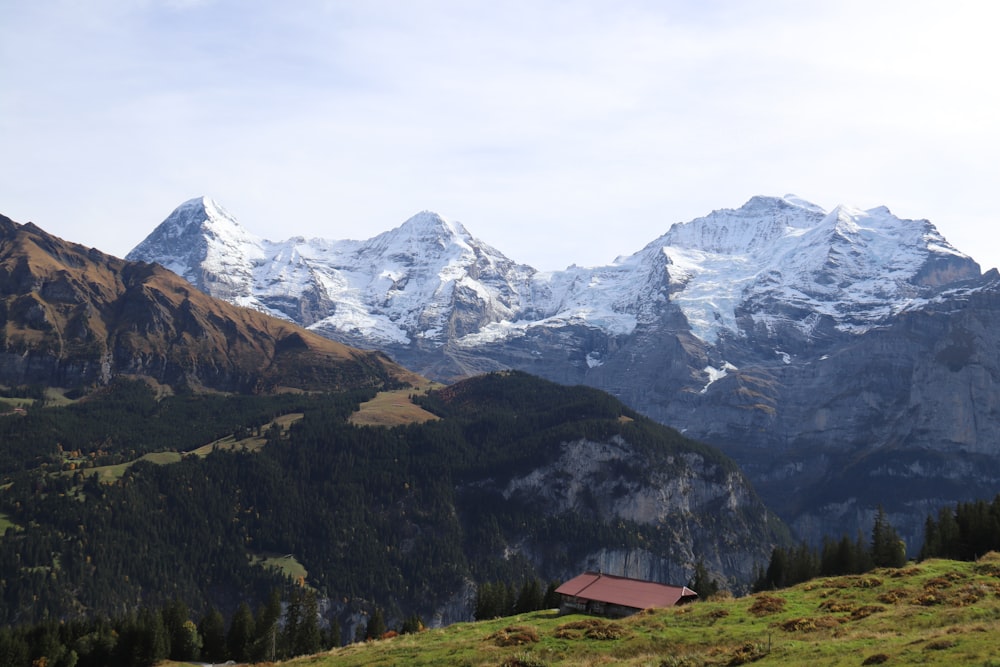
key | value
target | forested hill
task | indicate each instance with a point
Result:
(519, 478)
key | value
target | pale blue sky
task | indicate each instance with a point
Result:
(558, 132)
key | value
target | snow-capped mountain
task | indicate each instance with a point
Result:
(853, 267)
(426, 280)
(803, 342)
(772, 265)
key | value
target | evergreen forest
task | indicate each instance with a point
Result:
(387, 518)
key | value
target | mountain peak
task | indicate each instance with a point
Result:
(430, 223)
(201, 233)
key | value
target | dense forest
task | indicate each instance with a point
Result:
(382, 517)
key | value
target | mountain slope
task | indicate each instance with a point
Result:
(518, 478)
(74, 316)
(822, 349)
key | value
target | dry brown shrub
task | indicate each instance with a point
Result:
(522, 660)
(868, 582)
(749, 652)
(876, 659)
(941, 645)
(892, 597)
(988, 565)
(842, 582)
(798, 625)
(720, 596)
(866, 611)
(592, 628)
(827, 622)
(716, 614)
(970, 594)
(514, 635)
(904, 572)
(608, 631)
(766, 604)
(806, 624)
(929, 598)
(836, 606)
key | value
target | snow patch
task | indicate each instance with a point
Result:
(716, 374)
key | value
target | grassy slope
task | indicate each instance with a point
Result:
(936, 612)
(394, 408)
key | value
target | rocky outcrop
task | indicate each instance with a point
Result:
(701, 505)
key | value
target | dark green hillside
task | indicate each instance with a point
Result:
(403, 517)
(125, 420)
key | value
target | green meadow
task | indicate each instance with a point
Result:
(937, 612)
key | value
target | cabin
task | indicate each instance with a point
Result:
(617, 597)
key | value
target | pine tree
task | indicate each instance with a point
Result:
(240, 638)
(334, 639)
(266, 628)
(530, 597)
(887, 549)
(307, 637)
(702, 583)
(153, 643)
(411, 624)
(376, 625)
(182, 645)
(212, 629)
(293, 614)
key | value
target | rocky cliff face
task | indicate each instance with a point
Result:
(693, 500)
(845, 358)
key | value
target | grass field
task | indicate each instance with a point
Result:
(6, 523)
(108, 474)
(287, 564)
(251, 444)
(933, 613)
(393, 408)
(112, 473)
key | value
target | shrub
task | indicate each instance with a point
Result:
(749, 652)
(892, 597)
(591, 628)
(866, 611)
(798, 625)
(836, 606)
(869, 582)
(941, 645)
(766, 604)
(523, 660)
(514, 635)
(876, 659)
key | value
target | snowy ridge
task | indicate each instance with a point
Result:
(773, 263)
(851, 266)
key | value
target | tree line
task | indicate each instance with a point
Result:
(793, 565)
(171, 632)
(499, 599)
(963, 532)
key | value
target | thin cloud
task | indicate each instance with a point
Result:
(557, 132)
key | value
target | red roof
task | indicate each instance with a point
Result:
(623, 591)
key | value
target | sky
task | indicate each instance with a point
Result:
(559, 132)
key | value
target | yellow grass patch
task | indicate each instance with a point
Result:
(394, 408)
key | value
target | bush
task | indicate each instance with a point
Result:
(514, 635)
(766, 604)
